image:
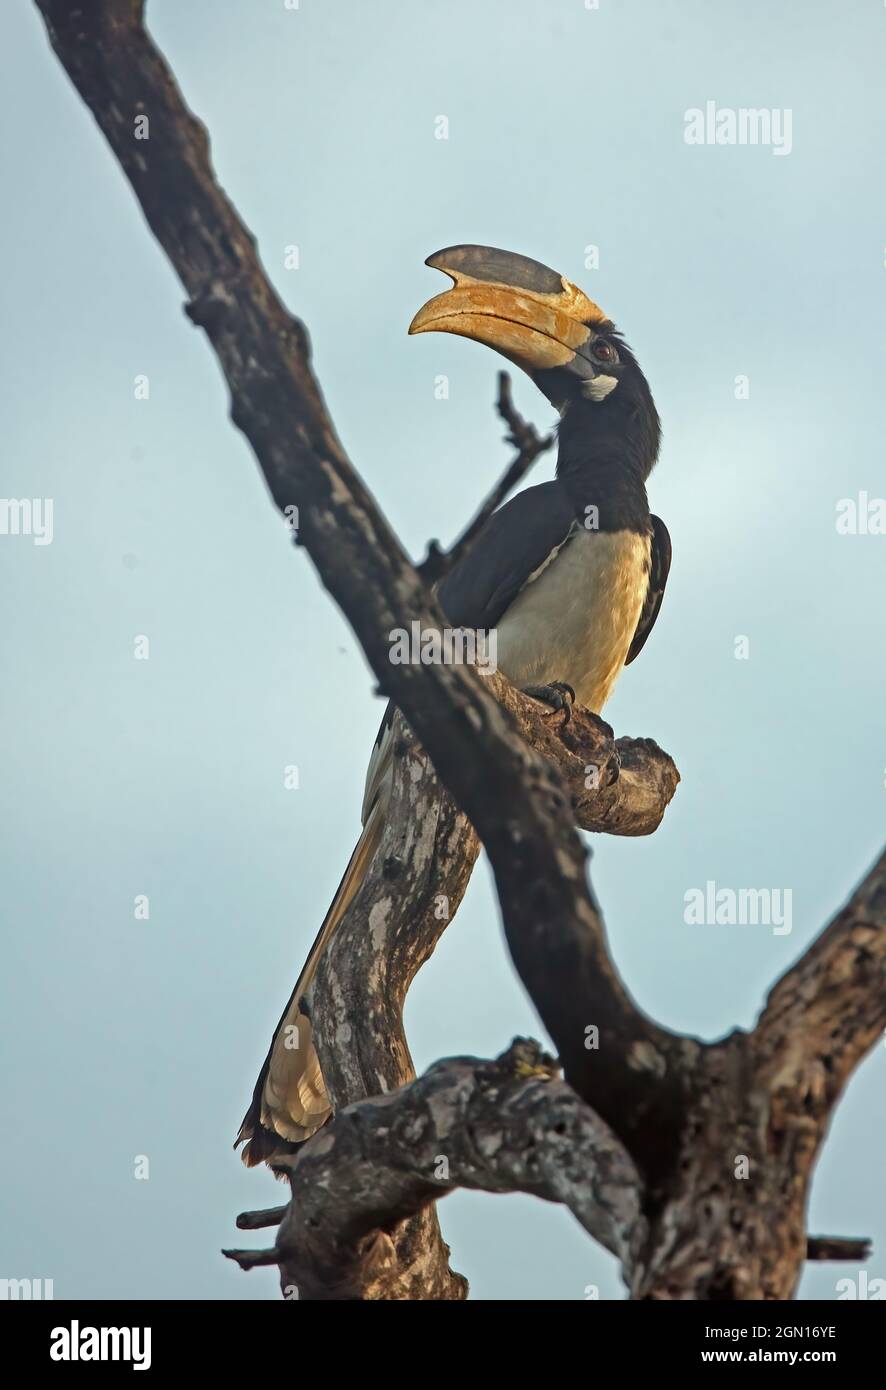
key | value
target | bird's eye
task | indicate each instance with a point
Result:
(603, 351)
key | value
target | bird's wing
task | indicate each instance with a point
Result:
(381, 765)
(517, 541)
(658, 577)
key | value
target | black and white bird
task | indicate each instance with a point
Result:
(569, 574)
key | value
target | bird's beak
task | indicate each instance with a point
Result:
(523, 309)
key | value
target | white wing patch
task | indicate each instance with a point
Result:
(551, 557)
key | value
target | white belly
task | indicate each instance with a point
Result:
(576, 620)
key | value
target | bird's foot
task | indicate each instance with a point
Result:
(544, 1071)
(525, 1058)
(559, 695)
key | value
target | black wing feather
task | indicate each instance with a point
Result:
(514, 543)
(658, 577)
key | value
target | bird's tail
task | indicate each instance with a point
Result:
(290, 1102)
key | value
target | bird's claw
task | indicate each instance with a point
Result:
(559, 695)
(526, 1069)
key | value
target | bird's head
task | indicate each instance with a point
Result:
(547, 326)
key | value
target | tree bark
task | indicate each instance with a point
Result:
(724, 1222)
(413, 890)
(667, 1122)
(503, 1126)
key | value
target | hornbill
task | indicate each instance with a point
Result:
(569, 573)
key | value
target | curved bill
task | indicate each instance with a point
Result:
(526, 311)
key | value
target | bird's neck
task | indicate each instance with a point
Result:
(605, 469)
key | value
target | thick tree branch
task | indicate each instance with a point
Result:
(503, 1126)
(618, 786)
(415, 885)
(828, 1010)
(763, 1102)
(413, 890)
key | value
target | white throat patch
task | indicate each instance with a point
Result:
(598, 388)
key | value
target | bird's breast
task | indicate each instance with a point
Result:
(575, 620)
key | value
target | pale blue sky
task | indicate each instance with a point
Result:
(121, 777)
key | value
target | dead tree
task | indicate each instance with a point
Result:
(640, 1138)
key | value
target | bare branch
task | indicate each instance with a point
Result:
(252, 1259)
(618, 786)
(828, 1010)
(838, 1248)
(529, 444)
(502, 1126)
(258, 1220)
